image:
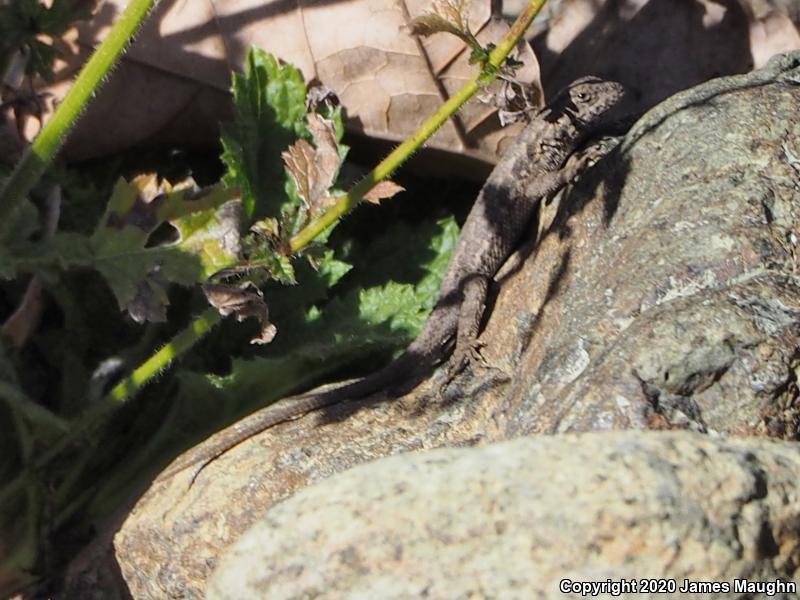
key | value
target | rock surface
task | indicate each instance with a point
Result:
(662, 295)
(513, 519)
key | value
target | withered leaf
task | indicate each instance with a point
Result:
(299, 161)
(430, 23)
(445, 16)
(150, 301)
(383, 190)
(515, 100)
(243, 301)
(327, 155)
(267, 228)
(314, 168)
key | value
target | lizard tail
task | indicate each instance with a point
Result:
(395, 378)
(399, 372)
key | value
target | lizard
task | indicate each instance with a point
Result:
(542, 159)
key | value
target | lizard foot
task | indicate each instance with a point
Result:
(470, 355)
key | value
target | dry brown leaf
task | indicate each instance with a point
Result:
(326, 157)
(299, 161)
(771, 28)
(444, 16)
(172, 87)
(243, 301)
(383, 190)
(314, 168)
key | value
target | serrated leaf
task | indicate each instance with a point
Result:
(317, 276)
(270, 110)
(395, 304)
(282, 270)
(267, 228)
(410, 253)
(124, 261)
(332, 269)
(363, 323)
(441, 245)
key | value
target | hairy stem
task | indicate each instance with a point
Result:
(182, 342)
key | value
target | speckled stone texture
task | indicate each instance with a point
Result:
(513, 519)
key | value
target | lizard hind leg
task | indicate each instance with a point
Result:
(473, 304)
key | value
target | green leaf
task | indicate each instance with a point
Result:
(416, 253)
(316, 280)
(441, 244)
(270, 115)
(139, 274)
(331, 269)
(356, 328)
(131, 268)
(209, 232)
(18, 254)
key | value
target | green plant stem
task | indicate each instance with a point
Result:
(187, 338)
(119, 393)
(181, 343)
(44, 148)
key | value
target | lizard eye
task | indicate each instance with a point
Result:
(582, 96)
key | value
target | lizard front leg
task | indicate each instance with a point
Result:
(548, 184)
(473, 302)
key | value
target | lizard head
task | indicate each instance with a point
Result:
(587, 99)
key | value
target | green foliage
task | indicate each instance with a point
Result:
(321, 331)
(139, 273)
(23, 21)
(26, 428)
(262, 148)
(270, 109)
